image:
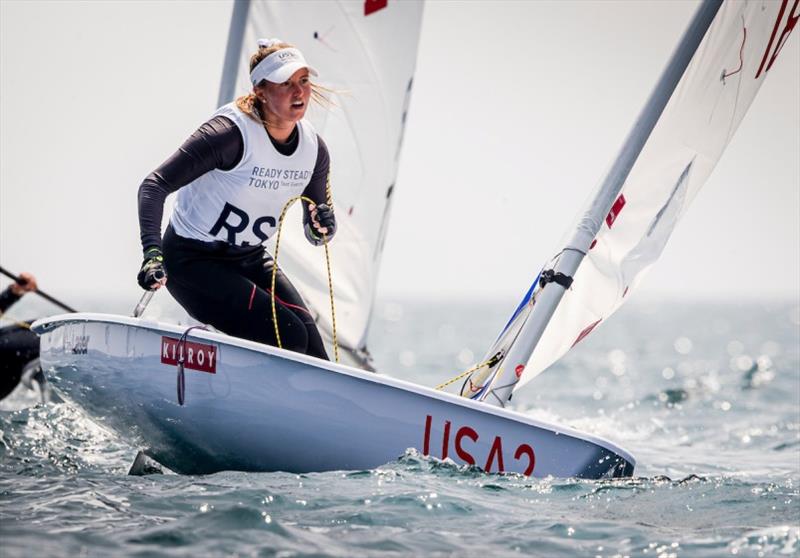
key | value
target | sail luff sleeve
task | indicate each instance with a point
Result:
(233, 52)
(590, 223)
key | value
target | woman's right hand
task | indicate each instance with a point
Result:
(26, 284)
(152, 274)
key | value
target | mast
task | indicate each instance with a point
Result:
(233, 52)
(550, 295)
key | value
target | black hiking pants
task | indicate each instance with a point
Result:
(228, 287)
(18, 346)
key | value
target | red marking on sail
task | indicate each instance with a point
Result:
(615, 210)
(518, 370)
(791, 21)
(586, 332)
(372, 6)
(196, 356)
(741, 55)
(593, 244)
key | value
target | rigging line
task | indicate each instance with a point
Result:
(181, 377)
(491, 388)
(502, 404)
(732, 120)
(490, 363)
(736, 98)
(327, 262)
(329, 198)
(321, 37)
(487, 382)
(741, 56)
(470, 371)
(23, 325)
(528, 299)
(477, 393)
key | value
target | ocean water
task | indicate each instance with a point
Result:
(706, 396)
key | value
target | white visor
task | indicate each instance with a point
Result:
(280, 66)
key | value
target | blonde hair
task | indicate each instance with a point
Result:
(251, 106)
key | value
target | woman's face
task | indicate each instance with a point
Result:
(286, 102)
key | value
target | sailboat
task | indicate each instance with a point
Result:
(199, 401)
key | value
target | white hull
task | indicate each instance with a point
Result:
(266, 409)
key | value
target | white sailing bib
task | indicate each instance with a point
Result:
(241, 206)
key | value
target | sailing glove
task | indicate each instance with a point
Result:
(152, 273)
(321, 217)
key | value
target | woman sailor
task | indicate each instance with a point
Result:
(233, 176)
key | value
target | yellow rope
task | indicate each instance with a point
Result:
(490, 362)
(327, 262)
(329, 199)
(470, 371)
(24, 325)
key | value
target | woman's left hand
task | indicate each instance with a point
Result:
(322, 218)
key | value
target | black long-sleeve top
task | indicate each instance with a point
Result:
(7, 298)
(217, 144)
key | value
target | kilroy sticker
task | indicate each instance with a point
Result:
(196, 356)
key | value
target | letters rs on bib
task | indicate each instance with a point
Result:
(241, 206)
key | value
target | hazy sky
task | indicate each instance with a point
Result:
(518, 108)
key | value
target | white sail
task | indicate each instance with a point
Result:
(365, 51)
(629, 234)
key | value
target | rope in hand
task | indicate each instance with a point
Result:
(327, 262)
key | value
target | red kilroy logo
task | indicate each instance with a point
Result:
(196, 356)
